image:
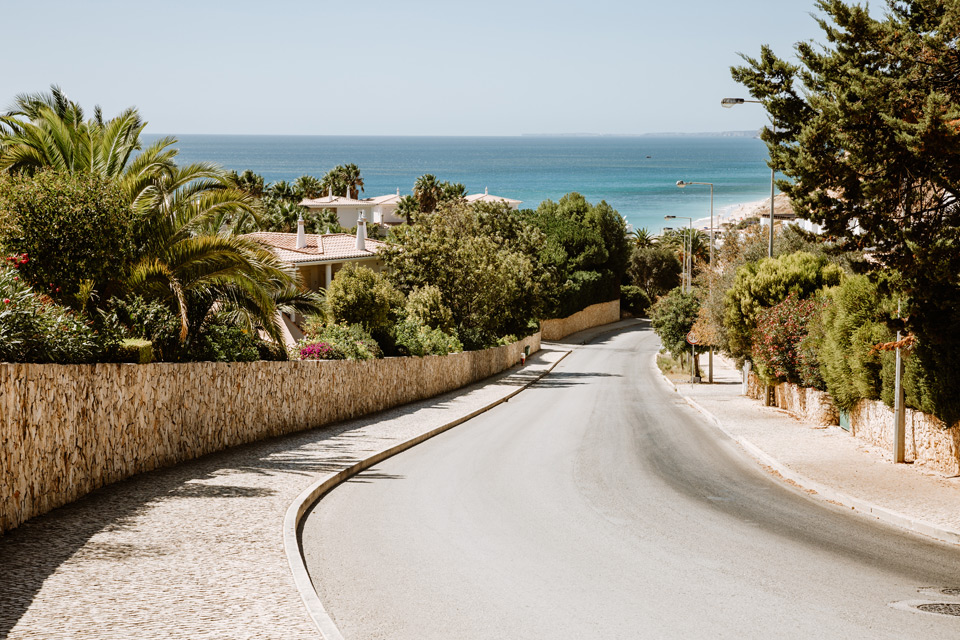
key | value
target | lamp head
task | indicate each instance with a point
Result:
(681, 184)
(729, 103)
(669, 217)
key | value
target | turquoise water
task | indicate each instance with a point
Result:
(636, 175)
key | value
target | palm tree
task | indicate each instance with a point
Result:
(282, 190)
(642, 238)
(427, 191)
(249, 182)
(187, 253)
(408, 207)
(307, 187)
(344, 179)
(452, 192)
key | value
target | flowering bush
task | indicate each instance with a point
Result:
(320, 351)
(338, 342)
(33, 328)
(782, 350)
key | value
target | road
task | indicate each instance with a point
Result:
(596, 504)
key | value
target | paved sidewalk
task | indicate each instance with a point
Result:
(829, 461)
(196, 550)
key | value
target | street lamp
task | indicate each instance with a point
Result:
(682, 184)
(729, 103)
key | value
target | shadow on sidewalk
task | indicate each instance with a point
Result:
(34, 551)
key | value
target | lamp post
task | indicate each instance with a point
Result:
(729, 103)
(682, 184)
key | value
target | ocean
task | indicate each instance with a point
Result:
(635, 175)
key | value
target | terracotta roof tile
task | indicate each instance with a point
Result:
(330, 247)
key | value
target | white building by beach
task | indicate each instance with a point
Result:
(383, 209)
(487, 197)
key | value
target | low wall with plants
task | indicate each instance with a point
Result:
(928, 443)
(66, 430)
(593, 316)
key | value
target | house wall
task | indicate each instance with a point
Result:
(66, 430)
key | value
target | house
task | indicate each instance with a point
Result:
(317, 258)
(383, 209)
(486, 197)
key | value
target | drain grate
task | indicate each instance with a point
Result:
(942, 608)
(950, 591)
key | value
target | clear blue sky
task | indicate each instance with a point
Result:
(419, 67)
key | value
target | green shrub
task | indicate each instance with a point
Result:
(672, 317)
(75, 230)
(360, 296)
(425, 304)
(343, 342)
(33, 328)
(763, 284)
(634, 300)
(852, 326)
(655, 270)
(417, 339)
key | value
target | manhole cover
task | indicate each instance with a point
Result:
(943, 608)
(951, 591)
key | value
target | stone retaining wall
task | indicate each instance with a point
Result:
(593, 316)
(928, 443)
(806, 403)
(66, 430)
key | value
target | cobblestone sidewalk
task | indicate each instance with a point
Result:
(196, 551)
(843, 468)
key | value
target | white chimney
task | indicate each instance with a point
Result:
(362, 232)
(301, 235)
(330, 192)
(398, 190)
(485, 191)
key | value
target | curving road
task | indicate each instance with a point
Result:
(597, 505)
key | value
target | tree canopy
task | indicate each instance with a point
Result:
(868, 131)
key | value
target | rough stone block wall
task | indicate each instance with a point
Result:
(928, 442)
(593, 316)
(66, 430)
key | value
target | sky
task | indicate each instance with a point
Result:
(418, 67)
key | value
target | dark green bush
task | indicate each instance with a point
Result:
(358, 295)
(33, 328)
(634, 300)
(75, 229)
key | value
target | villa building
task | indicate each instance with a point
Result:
(317, 258)
(383, 209)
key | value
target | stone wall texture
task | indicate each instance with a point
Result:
(928, 443)
(66, 430)
(806, 403)
(593, 316)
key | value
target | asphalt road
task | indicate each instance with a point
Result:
(596, 504)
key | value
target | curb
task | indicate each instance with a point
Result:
(309, 496)
(815, 488)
